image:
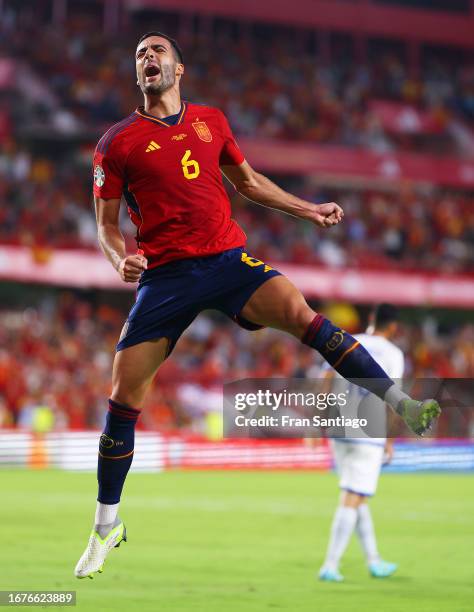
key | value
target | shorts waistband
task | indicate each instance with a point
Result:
(187, 263)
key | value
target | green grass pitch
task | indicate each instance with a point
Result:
(239, 541)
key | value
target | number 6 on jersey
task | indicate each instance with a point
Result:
(190, 166)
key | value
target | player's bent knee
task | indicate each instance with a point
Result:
(132, 398)
(129, 388)
(134, 369)
(298, 317)
(350, 499)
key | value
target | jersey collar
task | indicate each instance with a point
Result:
(142, 112)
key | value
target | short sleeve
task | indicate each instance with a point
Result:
(109, 175)
(230, 155)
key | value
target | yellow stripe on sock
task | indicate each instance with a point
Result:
(119, 456)
(349, 350)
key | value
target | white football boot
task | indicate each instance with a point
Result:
(98, 548)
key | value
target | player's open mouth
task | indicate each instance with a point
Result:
(151, 71)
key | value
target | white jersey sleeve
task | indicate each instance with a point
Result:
(388, 356)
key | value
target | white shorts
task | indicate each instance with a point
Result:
(358, 465)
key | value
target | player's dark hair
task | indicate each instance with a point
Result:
(176, 48)
(384, 314)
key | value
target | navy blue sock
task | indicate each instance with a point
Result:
(115, 451)
(347, 356)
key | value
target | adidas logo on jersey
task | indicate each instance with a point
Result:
(152, 146)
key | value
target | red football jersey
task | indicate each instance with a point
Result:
(171, 181)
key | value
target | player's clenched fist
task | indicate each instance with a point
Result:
(131, 268)
(328, 214)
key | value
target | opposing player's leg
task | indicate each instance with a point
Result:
(342, 528)
(278, 303)
(365, 530)
(133, 371)
(358, 466)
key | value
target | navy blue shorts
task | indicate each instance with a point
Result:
(170, 296)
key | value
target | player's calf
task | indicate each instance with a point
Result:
(116, 448)
(116, 451)
(348, 357)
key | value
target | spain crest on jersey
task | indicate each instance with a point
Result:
(201, 129)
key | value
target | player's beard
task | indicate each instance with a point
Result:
(168, 78)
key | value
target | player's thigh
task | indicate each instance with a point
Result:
(279, 304)
(134, 369)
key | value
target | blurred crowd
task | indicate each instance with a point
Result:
(58, 357)
(61, 87)
(407, 228)
(271, 82)
(432, 231)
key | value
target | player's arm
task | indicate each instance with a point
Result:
(112, 241)
(260, 189)
(328, 378)
(388, 451)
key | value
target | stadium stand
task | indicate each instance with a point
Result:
(43, 348)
